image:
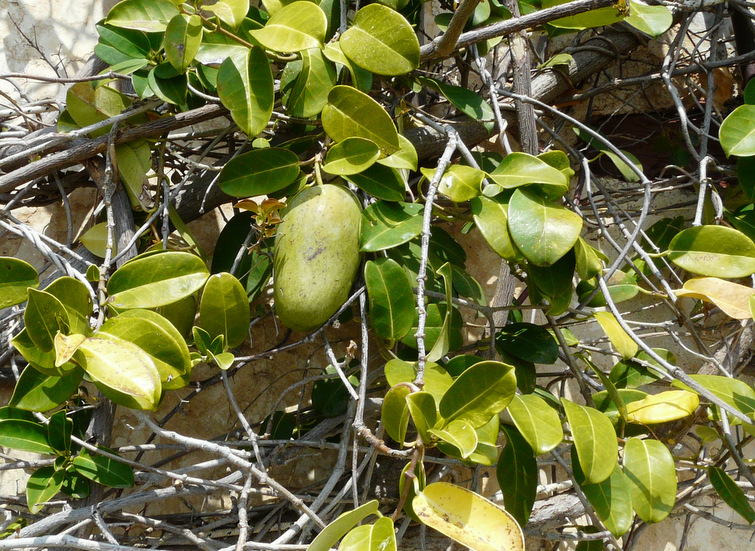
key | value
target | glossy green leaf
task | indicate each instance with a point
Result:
(152, 16)
(59, 431)
(295, 27)
(351, 156)
(381, 41)
(483, 390)
(230, 12)
(652, 20)
(104, 470)
(732, 494)
(389, 224)
(436, 378)
(632, 374)
(44, 316)
(224, 309)
(357, 539)
(606, 403)
(305, 84)
(95, 239)
(520, 169)
(734, 392)
(467, 101)
(595, 440)
(28, 436)
(715, 251)
(443, 343)
(8, 412)
(611, 390)
(517, 475)
(245, 87)
(468, 518)
(35, 391)
(122, 371)
(132, 44)
(381, 182)
(424, 412)
(155, 280)
(76, 299)
(353, 114)
(334, 531)
(530, 342)
(737, 132)
(732, 298)
(405, 157)
(649, 467)
(395, 413)
(458, 434)
(259, 172)
(392, 305)
(621, 341)
(156, 336)
(87, 105)
(134, 161)
(592, 18)
(491, 218)
(416, 484)
(361, 78)
(42, 486)
(589, 259)
(537, 422)
(183, 36)
(612, 499)
(486, 452)
(16, 276)
(553, 283)
(662, 407)
(459, 183)
(436, 316)
(626, 170)
(41, 360)
(542, 230)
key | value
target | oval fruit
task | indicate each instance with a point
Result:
(316, 256)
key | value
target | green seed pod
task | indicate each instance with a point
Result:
(316, 255)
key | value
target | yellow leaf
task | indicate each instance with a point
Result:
(468, 518)
(622, 342)
(65, 346)
(663, 407)
(731, 298)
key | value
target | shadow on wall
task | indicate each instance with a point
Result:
(47, 37)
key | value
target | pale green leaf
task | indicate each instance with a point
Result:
(649, 467)
(595, 440)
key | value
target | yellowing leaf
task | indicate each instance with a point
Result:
(663, 407)
(468, 518)
(621, 341)
(732, 298)
(65, 346)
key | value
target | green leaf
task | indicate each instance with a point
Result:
(652, 20)
(734, 392)
(381, 41)
(542, 230)
(183, 36)
(361, 78)
(122, 371)
(156, 336)
(589, 259)
(16, 276)
(395, 413)
(621, 408)
(104, 470)
(623, 343)
(528, 342)
(230, 12)
(77, 301)
(436, 316)
(632, 374)
(467, 101)
(553, 283)
(334, 531)
(486, 453)
(259, 172)
(517, 475)
(737, 132)
(521, 169)
(649, 467)
(732, 494)
(715, 251)
(537, 422)
(42, 361)
(392, 307)
(95, 239)
(424, 412)
(351, 156)
(381, 182)
(612, 499)
(389, 224)
(437, 379)
(595, 440)
(44, 316)
(353, 114)
(156, 279)
(593, 18)
(305, 84)
(28, 436)
(152, 16)
(59, 431)
(38, 392)
(483, 390)
(75, 485)
(468, 518)
(245, 87)
(134, 161)
(457, 435)
(224, 309)
(42, 486)
(295, 27)
(491, 218)
(459, 183)
(626, 171)
(405, 157)
(88, 105)
(133, 44)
